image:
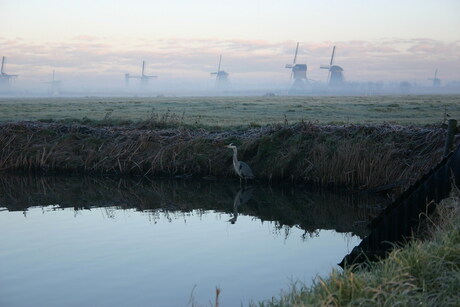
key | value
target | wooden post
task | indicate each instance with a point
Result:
(451, 129)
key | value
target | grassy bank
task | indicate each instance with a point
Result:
(424, 273)
(353, 156)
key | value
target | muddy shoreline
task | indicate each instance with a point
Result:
(356, 157)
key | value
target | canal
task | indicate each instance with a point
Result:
(81, 241)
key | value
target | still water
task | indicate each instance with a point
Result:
(79, 241)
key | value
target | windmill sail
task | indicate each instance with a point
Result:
(143, 77)
(221, 76)
(335, 72)
(298, 74)
(5, 79)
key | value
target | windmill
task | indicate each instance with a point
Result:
(5, 79)
(435, 79)
(143, 77)
(298, 73)
(221, 76)
(55, 86)
(335, 76)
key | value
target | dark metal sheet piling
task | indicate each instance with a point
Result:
(396, 224)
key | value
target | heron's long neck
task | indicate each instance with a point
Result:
(235, 159)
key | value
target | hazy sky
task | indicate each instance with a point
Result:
(100, 40)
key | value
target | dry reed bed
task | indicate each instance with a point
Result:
(364, 156)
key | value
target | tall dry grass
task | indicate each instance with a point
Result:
(358, 157)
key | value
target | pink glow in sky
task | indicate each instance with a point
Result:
(181, 40)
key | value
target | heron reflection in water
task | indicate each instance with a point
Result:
(241, 168)
(242, 197)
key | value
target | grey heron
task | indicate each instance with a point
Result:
(241, 168)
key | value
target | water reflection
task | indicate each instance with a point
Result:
(286, 205)
(80, 241)
(242, 197)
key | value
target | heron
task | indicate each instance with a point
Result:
(241, 168)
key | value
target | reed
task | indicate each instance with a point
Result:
(353, 156)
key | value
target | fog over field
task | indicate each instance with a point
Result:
(180, 48)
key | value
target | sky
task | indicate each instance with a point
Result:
(98, 41)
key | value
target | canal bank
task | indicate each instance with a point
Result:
(358, 157)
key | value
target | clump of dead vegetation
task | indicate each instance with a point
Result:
(354, 156)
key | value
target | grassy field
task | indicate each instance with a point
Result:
(236, 111)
